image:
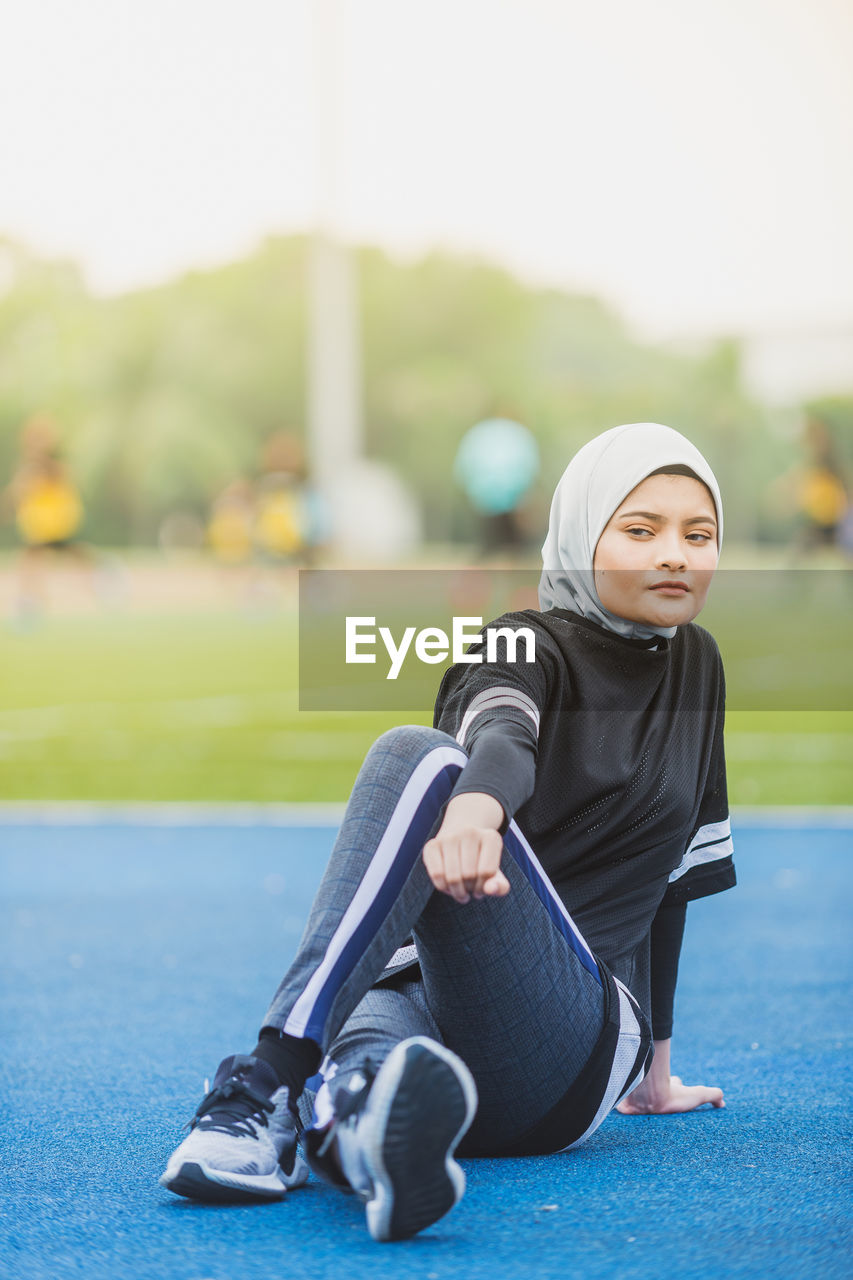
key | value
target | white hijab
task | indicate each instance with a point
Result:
(596, 481)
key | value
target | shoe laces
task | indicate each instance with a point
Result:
(233, 1107)
(349, 1102)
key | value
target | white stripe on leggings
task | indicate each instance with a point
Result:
(380, 865)
(627, 1048)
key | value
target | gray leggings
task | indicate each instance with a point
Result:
(509, 984)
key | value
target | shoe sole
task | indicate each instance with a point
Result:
(197, 1181)
(421, 1103)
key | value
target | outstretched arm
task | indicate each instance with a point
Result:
(463, 859)
(663, 1094)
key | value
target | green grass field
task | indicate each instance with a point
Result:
(204, 707)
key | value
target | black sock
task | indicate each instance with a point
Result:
(292, 1059)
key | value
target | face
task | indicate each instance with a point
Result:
(664, 532)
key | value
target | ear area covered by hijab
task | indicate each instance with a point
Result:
(596, 481)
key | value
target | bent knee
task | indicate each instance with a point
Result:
(412, 741)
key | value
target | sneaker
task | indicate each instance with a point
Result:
(396, 1136)
(333, 1150)
(242, 1145)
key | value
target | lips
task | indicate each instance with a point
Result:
(670, 586)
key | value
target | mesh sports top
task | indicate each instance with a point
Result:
(608, 752)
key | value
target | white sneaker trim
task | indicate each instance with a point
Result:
(372, 1130)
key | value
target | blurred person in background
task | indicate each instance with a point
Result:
(271, 521)
(48, 512)
(822, 490)
(231, 524)
(287, 523)
(809, 504)
(496, 465)
(230, 531)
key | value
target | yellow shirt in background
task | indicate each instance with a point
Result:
(822, 497)
(49, 510)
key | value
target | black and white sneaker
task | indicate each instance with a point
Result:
(242, 1145)
(395, 1136)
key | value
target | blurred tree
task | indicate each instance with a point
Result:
(164, 395)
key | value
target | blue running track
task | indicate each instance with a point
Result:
(135, 956)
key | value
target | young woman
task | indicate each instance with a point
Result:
(495, 942)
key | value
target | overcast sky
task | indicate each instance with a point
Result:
(689, 159)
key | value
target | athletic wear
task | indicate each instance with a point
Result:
(607, 747)
(243, 1141)
(609, 753)
(394, 1137)
(292, 1060)
(509, 984)
(421, 1103)
(665, 949)
(333, 1149)
(624, 802)
(49, 511)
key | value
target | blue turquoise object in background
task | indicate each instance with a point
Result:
(496, 463)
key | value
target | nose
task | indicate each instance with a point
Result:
(671, 555)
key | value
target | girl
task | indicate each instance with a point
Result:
(539, 844)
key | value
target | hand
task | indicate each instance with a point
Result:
(662, 1094)
(463, 858)
(669, 1098)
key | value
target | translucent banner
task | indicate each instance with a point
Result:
(380, 640)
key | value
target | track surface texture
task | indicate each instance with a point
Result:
(136, 956)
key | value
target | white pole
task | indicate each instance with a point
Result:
(334, 349)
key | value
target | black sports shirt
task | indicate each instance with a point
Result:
(609, 754)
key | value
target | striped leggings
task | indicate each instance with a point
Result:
(551, 1038)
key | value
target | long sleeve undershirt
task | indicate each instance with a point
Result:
(666, 937)
(502, 764)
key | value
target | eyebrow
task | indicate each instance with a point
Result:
(651, 515)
